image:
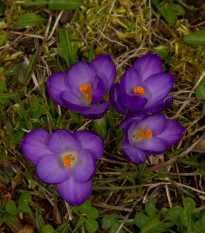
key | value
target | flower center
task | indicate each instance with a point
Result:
(87, 91)
(67, 159)
(139, 90)
(144, 134)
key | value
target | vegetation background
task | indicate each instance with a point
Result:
(38, 38)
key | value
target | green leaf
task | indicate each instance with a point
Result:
(178, 9)
(85, 207)
(11, 207)
(67, 49)
(189, 204)
(63, 228)
(80, 222)
(93, 214)
(91, 225)
(203, 220)
(30, 19)
(168, 14)
(114, 228)
(153, 225)
(64, 4)
(47, 229)
(196, 38)
(141, 219)
(200, 91)
(41, 221)
(3, 85)
(198, 226)
(101, 127)
(185, 217)
(162, 52)
(150, 207)
(175, 211)
(74, 209)
(109, 220)
(24, 202)
(203, 109)
(30, 66)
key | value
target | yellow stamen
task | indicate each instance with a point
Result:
(87, 91)
(67, 159)
(142, 134)
(139, 90)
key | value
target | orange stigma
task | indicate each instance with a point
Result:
(142, 134)
(67, 159)
(87, 91)
(139, 90)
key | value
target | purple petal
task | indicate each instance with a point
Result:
(130, 80)
(133, 102)
(74, 102)
(85, 169)
(132, 153)
(115, 99)
(98, 91)
(56, 84)
(173, 131)
(133, 117)
(50, 169)
(105, 69)
(148, 65)
(62, 140)
(74, 192)
(156, 123)
(157, 87)
(163, 105)
(79, 74)
(154, 145)
(90, 141)
(96, 111)
(35, 145)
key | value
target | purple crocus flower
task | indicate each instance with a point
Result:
(148, 134)
(66, 159)
(143, 87)
(83, 87)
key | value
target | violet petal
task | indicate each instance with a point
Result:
(63, 140)
(96, 111)
(50, 169)
(161, 106)
(133, 117)
(132, 153)
(173, 131)
(56, 84)
(157, 88)
(130, 80)
(74, 192)
(148, 65)
(90, 141)
(133, 102)
(35, 145)
(98, 91)
(85, 169)
(105, 69)
(115, 99)
(74, 102)
(79, 74)
(154, 145)
(156, 123)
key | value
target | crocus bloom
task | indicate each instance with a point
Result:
(143, 87)
(83, 87)
(148, 134)
(66, 159)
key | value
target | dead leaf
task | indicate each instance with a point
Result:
(200, 147)
(26, 229)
